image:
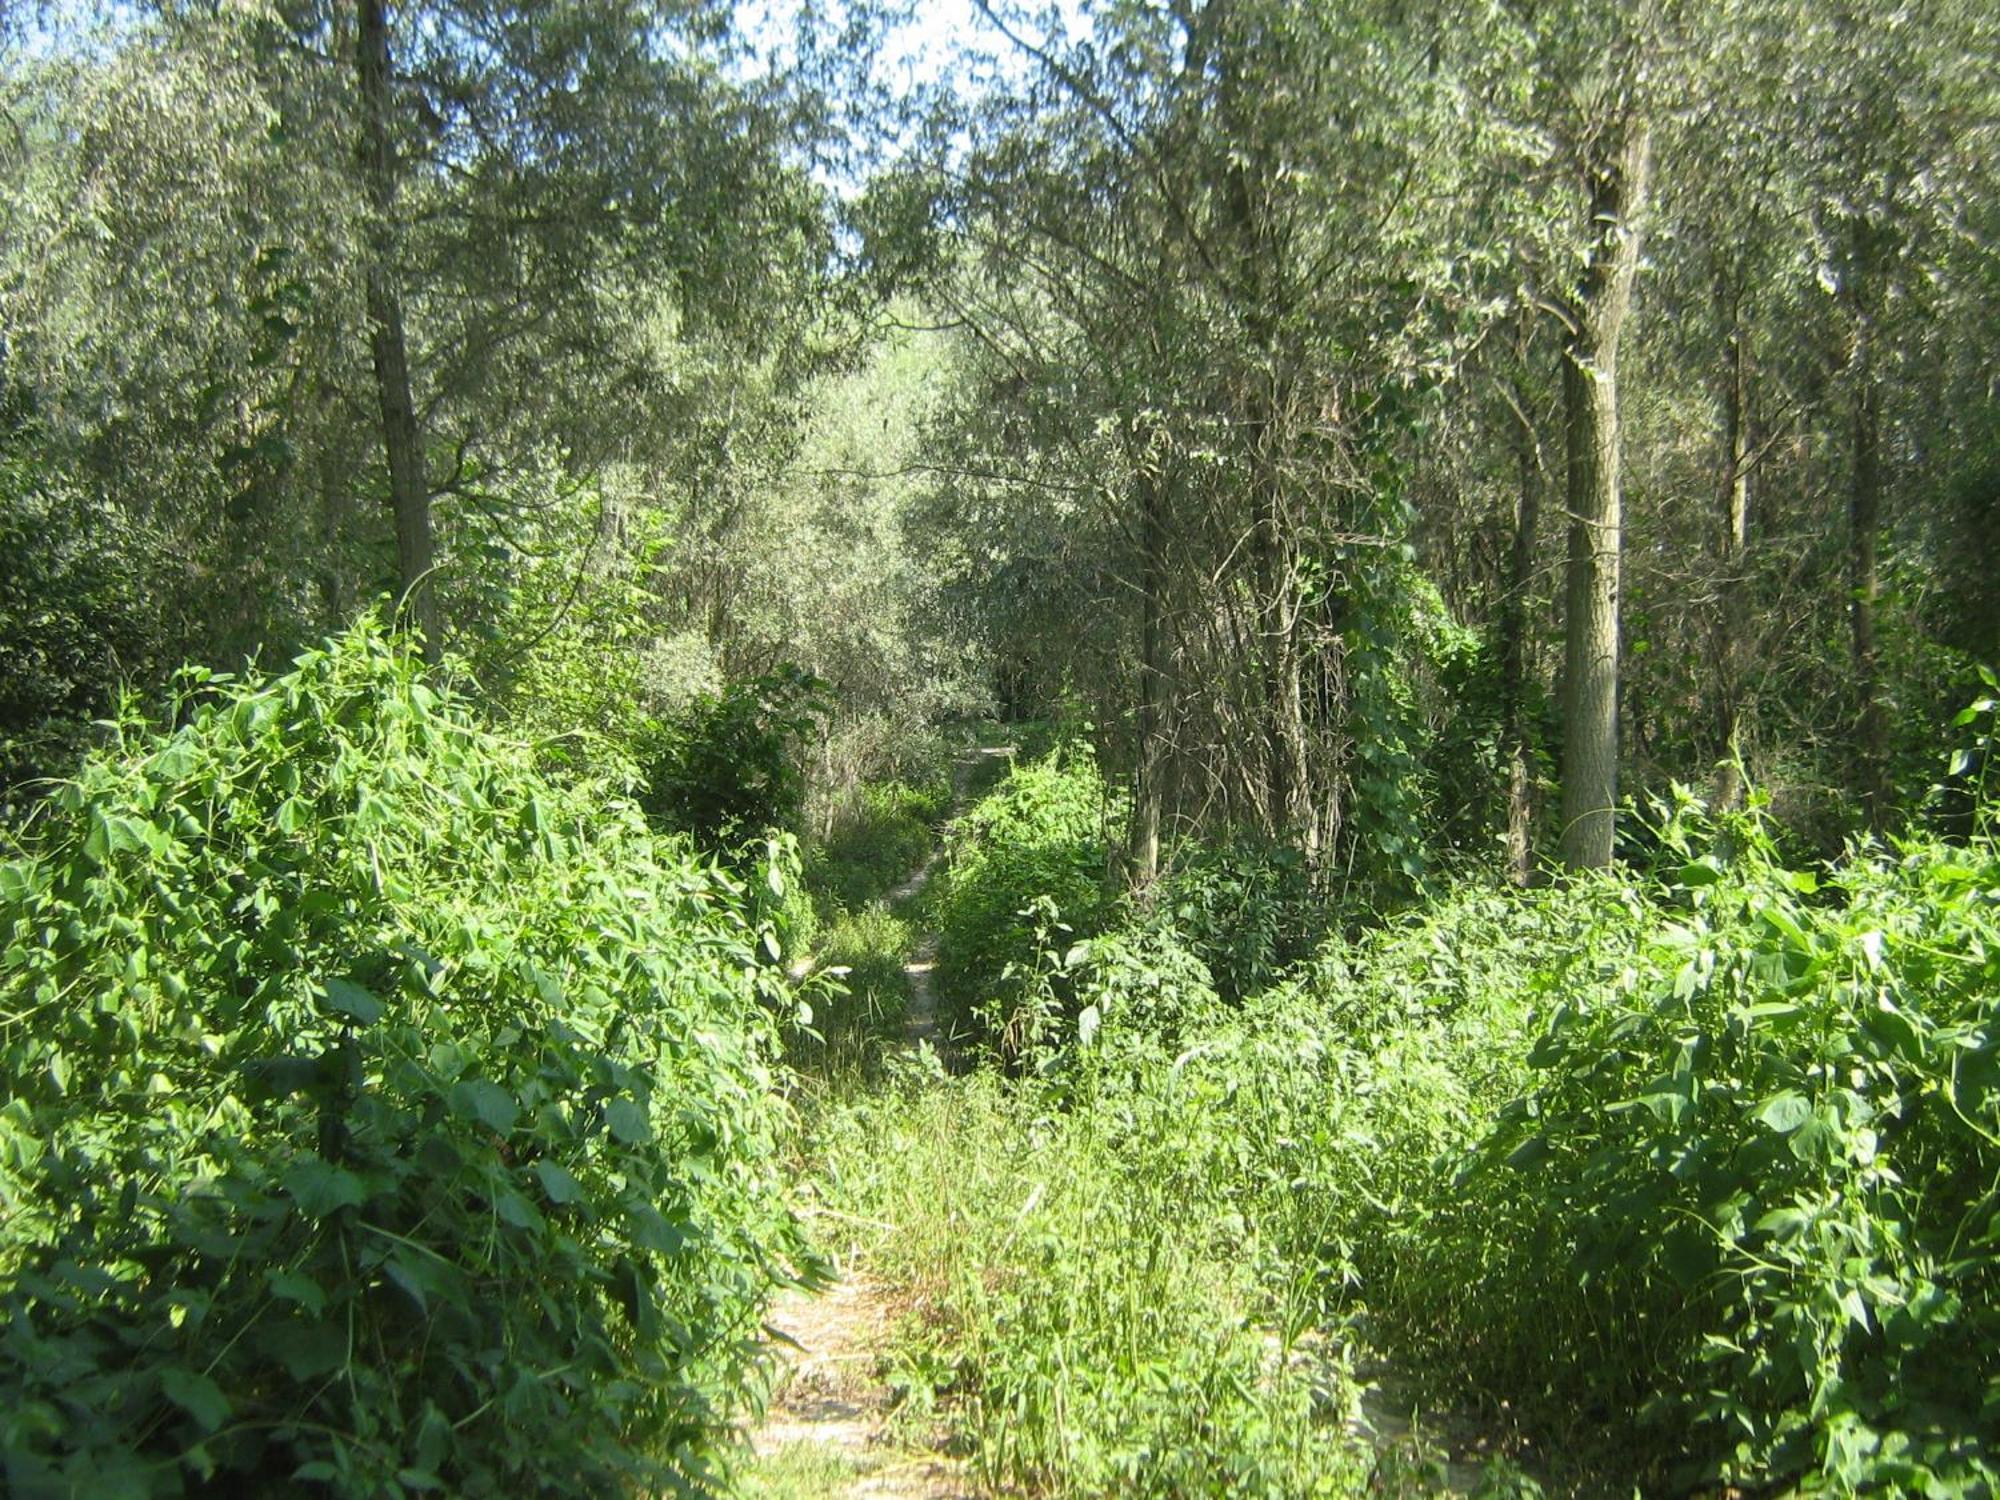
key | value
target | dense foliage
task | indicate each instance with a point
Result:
(1364, 452)
(727, 768)
(1761, 1163)
(1027, 879)
(1691, 1177)
(381, 1116)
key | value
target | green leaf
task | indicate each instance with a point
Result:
(17, 880)
(350, 999)
(321, 1189)
(627, 1121)
(295, 1286)
(557, 1183)
(1533, 1150)
(1783, 1223)
(516, 1210)
(652, 1230)
(1819, 1140)
(197, 1395)
(408, 1280)
(312, 1351)
(1785, 1112)
(487, 1102)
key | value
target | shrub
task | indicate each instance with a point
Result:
(1244, 906)
(77, 614)
(381, 1117)
(727, 770)
(1761, 1173)
(1026, 880)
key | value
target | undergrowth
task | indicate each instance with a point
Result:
(1683, 1180)
(1088, 1334)
(878, 839)
(382, 1118)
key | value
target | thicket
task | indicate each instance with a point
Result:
(727, 768)
(382, 1117)
(1684, 1177)
(876, 840)
(78, 613)
(1027, 878)
(1752, 1183)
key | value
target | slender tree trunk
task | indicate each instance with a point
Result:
(336, 513)
(1518, 746)
(1864, 522)
(1596, 531)
(1733, 560)
(1148, 792)
(1284, 708)
(402, 443)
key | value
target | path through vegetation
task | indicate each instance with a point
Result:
(828, 1431)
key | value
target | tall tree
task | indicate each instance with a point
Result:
(1224, 211)
(1594, 84)
(402, 440)
(1618, 173)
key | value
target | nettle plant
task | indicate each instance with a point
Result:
(1770, 1159)
(381, 1118)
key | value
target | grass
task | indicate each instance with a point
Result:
(800, 1471)
(1078, 1328)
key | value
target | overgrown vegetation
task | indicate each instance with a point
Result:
(1027, 878)
(1090, 1333)
(381, 1117)
(1693, 1176)
(1419, 935)
(877, 839)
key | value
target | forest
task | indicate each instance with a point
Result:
(1093, 748)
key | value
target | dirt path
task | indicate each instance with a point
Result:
(828, 1430)
(920, 1025)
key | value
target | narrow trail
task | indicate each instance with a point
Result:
(827, 1430)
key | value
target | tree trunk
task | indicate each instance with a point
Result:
(1596, 531)
(1863, 523)
(1148, 792)
(1516, 737)
(1733, 561)
(402, 443)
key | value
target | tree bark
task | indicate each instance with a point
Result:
(402, 441)
(1517, 738)
(1596, 531)
(1733, 561)
(1148, 792)
(1864, 521)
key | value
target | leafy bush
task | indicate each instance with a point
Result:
(1762, 1171)
(728, 769)
(381, 1118)
(554, 616)
(77, 616)
(1244, 906)
(1026, 880)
